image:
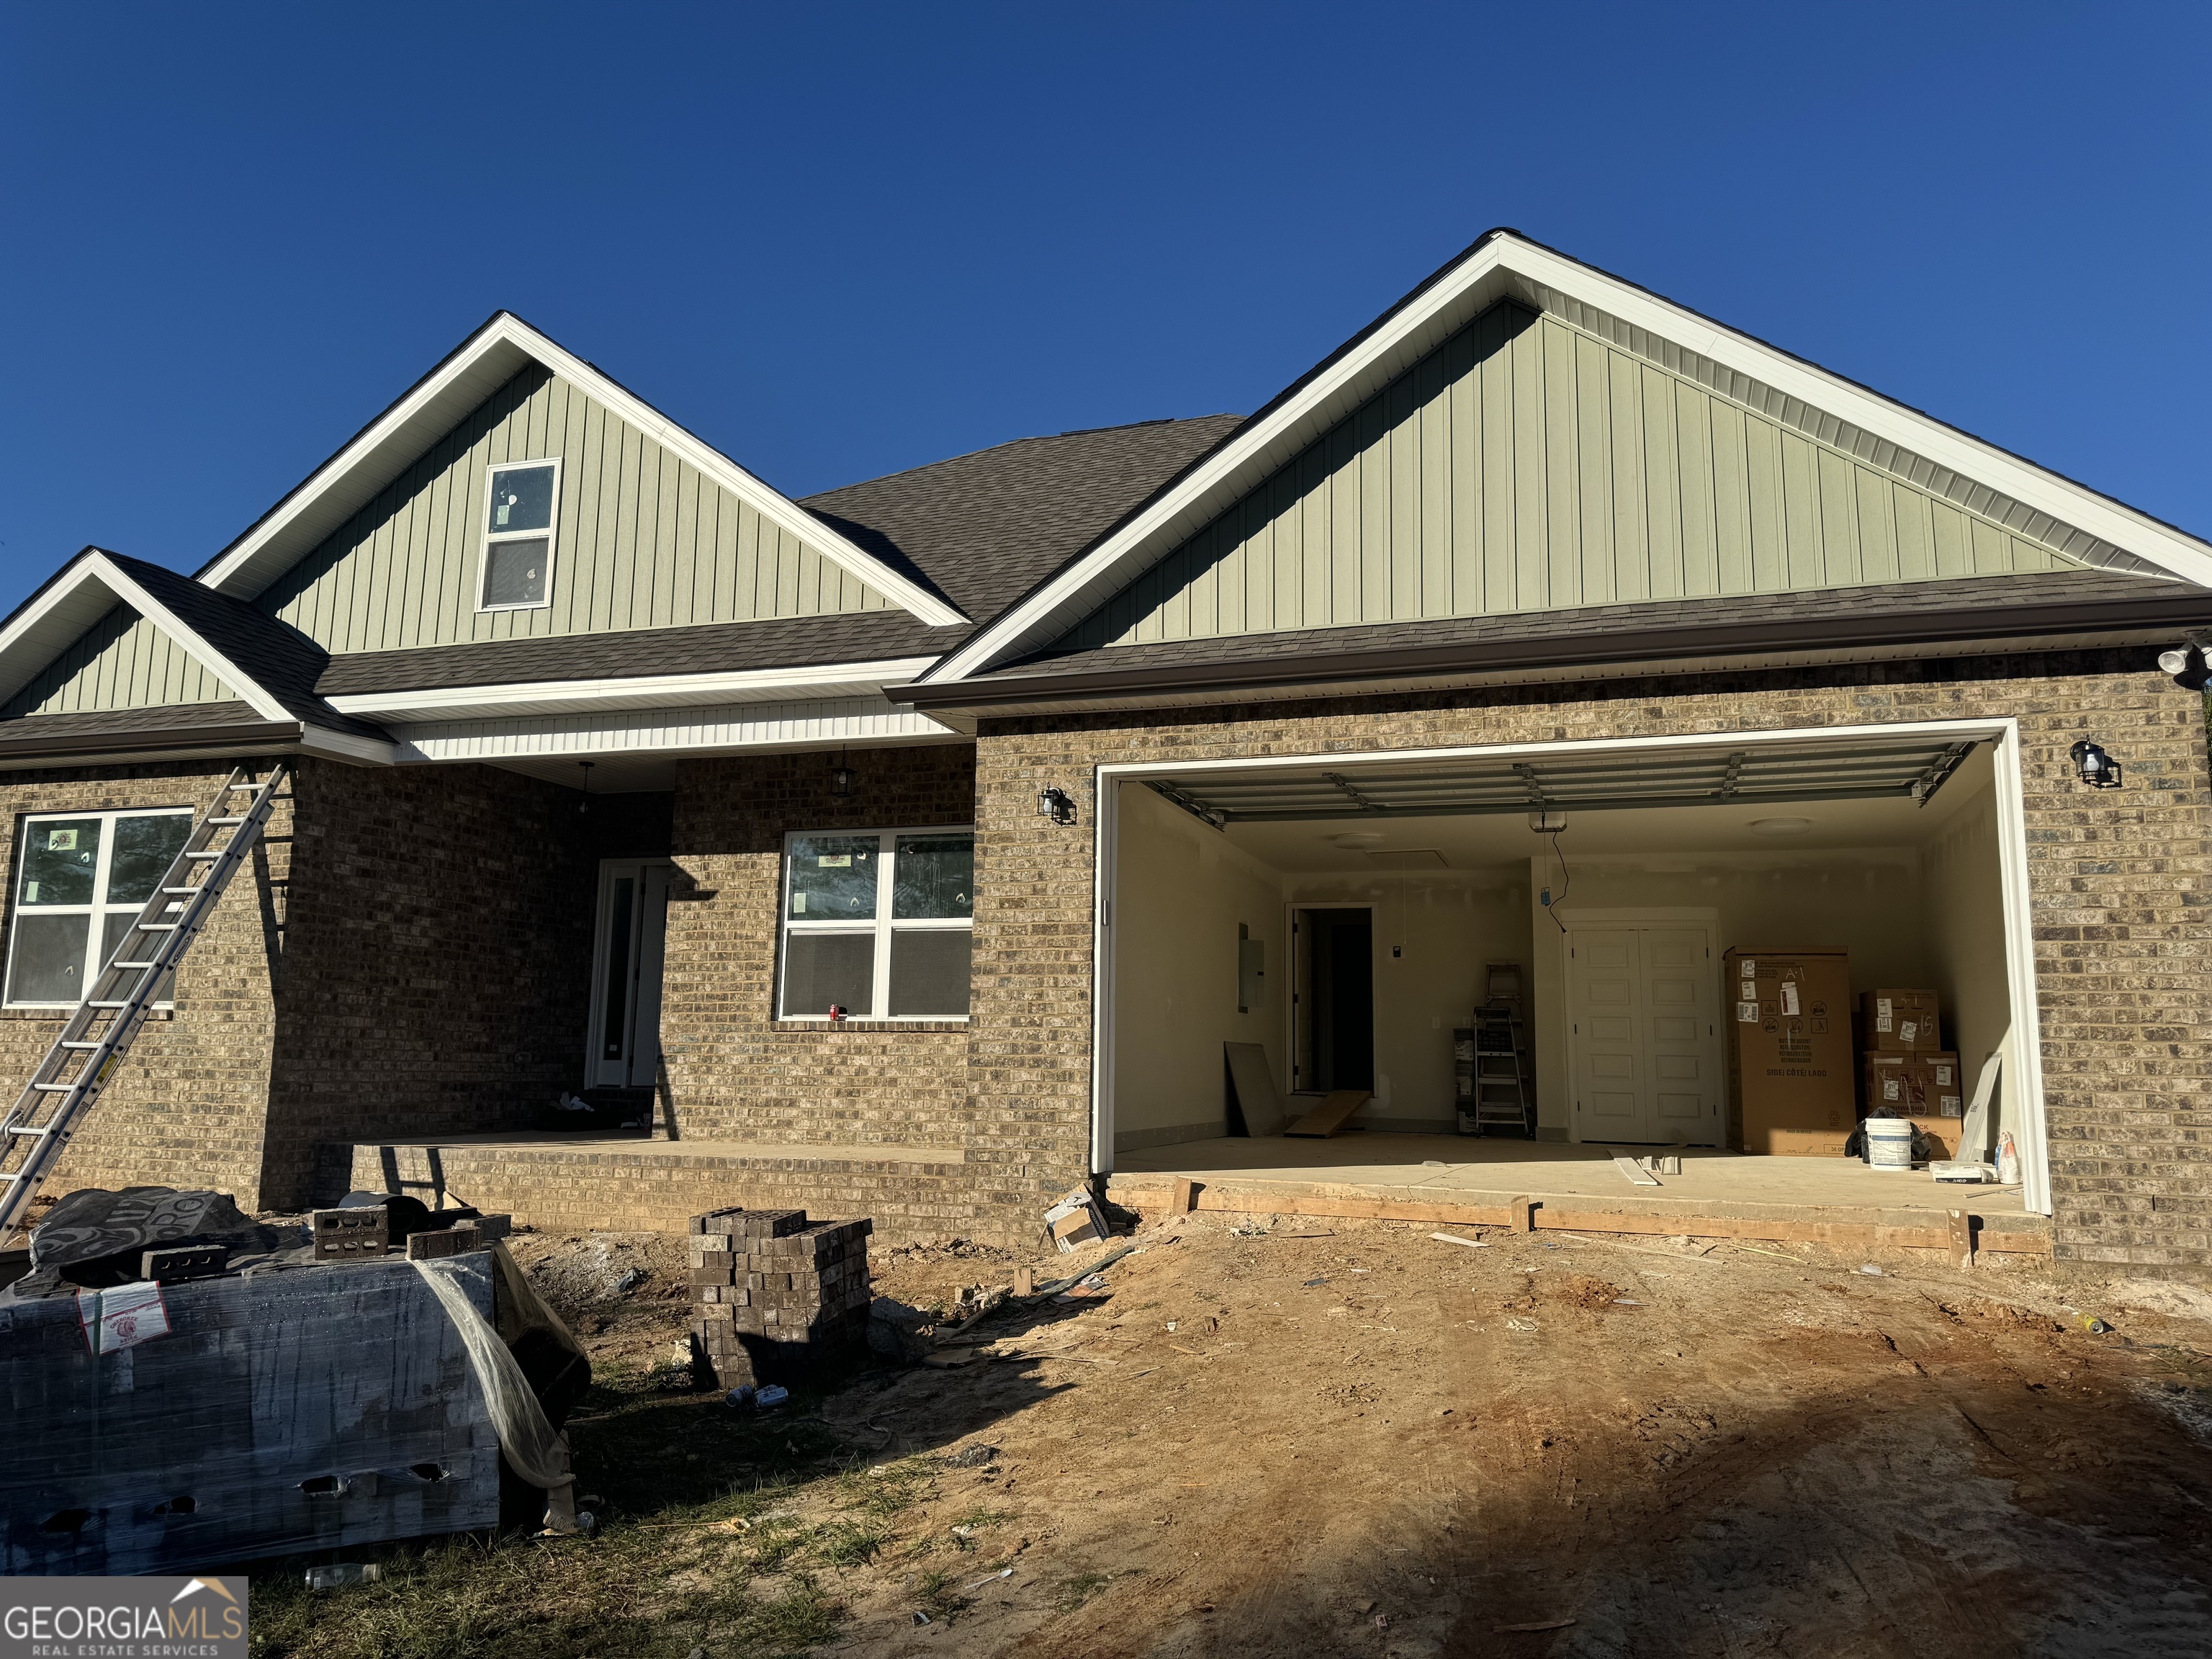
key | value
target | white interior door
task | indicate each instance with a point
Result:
(1642, 1045)
(633, 927)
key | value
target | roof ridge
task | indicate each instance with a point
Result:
(1011, 443)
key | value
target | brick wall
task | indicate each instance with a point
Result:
(2118, 884)
(188, 1106)
(734, 1070)
(437, 971)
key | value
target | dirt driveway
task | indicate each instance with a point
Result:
(1345, 1437)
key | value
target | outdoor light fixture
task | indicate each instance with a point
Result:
(1056, 804)
(584, 805)
(841, 776)
(2098, 770)
(2188, 664)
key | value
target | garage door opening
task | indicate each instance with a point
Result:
(1689, 931)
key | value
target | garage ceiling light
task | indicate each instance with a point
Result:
(1598, 780)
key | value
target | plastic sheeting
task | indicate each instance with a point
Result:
(533, 1447)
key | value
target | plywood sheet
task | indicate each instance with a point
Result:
(1331, 1115)
(1257, 1098)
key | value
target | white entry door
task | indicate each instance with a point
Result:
(1642, 1038)
(632, 930)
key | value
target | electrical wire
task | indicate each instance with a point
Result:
(1566, 880)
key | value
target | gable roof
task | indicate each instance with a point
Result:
(468, 374)
(1502, 264)
(988, 526)
(222, 633)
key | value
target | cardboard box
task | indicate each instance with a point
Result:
(1789, 1050)
(1925, 1087)
(1900, 1022)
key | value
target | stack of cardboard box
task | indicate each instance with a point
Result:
(1789, 1050)
(1908, 1072)
(770, 1291)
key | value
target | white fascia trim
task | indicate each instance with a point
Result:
(345, 746)
(1504, 258)
(643, 692)
(241, 571)
(53, 613)
(823, 724)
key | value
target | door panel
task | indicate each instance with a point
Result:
(1640, 1003)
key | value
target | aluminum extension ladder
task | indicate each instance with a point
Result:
(102, 1029)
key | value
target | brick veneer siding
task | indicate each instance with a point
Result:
(437, 968)
(2118, 888)
(188, 1107)
(734, 1070)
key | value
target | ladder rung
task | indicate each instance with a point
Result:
(131, 964)
(203, 855)
(224, 820)
(183, 889)
(54, 1088)
(108, 1005)
(157, 926)
(22, 1129)
(80, 1045)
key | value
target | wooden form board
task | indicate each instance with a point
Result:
(1331, 1115)
(1257, 1098)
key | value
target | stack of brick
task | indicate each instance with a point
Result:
(771, 1292)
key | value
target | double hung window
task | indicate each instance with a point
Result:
(80, 880)
(520, 509)
(878, 923)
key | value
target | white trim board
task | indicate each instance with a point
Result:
(632, 691)
(2003, 733)
(1502, 267)
(747, 728)
(84, 592)
(482, 363)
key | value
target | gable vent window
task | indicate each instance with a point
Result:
(80, 880)
(520, 509)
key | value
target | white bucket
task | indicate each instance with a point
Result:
(1889, 1142)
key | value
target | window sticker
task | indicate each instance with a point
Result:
(61, 840)
(799, 904)
(833, 861)
(30, 892)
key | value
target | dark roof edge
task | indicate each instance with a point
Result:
(91, 745)
(1844, 630)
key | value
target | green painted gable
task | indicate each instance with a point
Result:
(642, 540)
(1526, 464)
(122, 661)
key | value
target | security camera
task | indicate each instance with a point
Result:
(2191, 670)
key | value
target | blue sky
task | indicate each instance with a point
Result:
(836, 242)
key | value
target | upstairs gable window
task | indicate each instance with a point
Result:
(520, 509)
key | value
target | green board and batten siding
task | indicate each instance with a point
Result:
(1527, 465)
(122, 661)
(643, 540)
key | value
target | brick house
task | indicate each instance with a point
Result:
(916, 847)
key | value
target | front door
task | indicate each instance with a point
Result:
(632, 930)
(1642, 1043)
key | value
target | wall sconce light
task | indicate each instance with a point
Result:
(1056, 804)
(2097, 768)
(2188, 666)
(840, 780)
(584, 805)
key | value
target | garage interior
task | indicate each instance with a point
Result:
(1347, 918)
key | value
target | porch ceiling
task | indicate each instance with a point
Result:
(1597, 779)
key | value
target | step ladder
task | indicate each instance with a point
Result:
(101, 1030)
(1500, 1098)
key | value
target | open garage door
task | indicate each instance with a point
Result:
(1898, 850)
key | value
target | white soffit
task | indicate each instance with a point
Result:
(847, 679)
(1505, 267)
(486, 361)
(79, 597)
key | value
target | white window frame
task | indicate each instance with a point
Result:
(881, 926)
(98, 908)
(492, 538)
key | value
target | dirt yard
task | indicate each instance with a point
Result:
(1336, 1438)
